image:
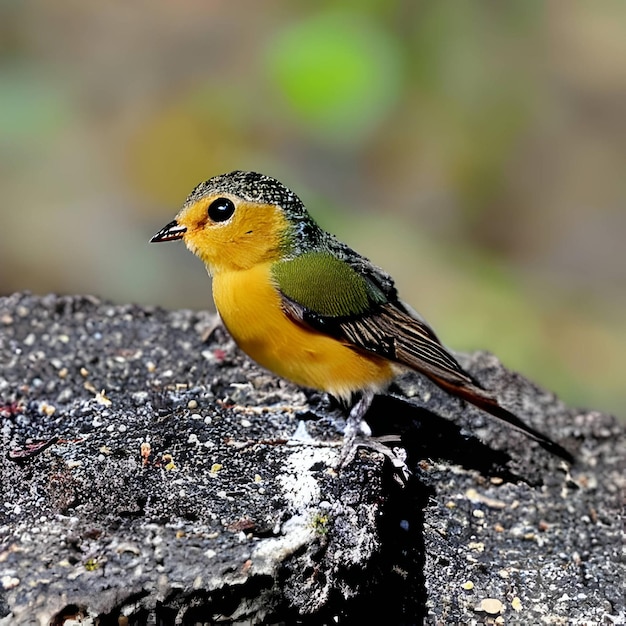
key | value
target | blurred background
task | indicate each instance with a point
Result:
(474, 150)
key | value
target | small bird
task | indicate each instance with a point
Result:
(306, 306)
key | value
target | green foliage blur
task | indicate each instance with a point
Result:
(475, 150)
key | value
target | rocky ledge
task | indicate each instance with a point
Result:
(151, 474)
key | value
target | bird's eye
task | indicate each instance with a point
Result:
(221, 209)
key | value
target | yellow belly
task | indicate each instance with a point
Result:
(250, 308)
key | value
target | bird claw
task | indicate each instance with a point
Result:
(357, 434)
(396, 455)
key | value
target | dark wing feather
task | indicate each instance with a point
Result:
(342, 294)
(395, 334)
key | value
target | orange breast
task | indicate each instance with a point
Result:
(250, 308)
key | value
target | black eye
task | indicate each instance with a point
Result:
(221, 209)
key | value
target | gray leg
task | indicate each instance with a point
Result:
(354, 423)
(351, 440)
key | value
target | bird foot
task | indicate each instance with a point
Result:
(395, 454)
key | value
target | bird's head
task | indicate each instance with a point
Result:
(236, 220)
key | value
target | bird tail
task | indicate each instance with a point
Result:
(483, 400)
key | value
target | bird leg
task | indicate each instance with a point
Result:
(354, 424)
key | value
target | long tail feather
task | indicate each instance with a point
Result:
(486, 402)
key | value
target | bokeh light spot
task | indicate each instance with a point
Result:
(338, 73)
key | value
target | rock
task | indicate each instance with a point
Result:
(153, 475)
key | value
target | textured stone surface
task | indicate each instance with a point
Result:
(156, 475)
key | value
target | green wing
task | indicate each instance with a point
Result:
(326, 286)
(346, 301)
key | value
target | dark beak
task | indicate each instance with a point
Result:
(171, 232)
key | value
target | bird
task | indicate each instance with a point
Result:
(308, 307)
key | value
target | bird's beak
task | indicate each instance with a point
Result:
(170, 232)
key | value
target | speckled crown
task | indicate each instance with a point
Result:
(250, 186)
